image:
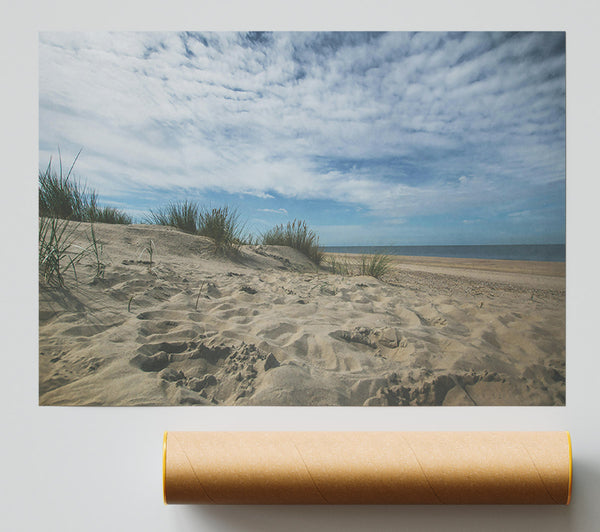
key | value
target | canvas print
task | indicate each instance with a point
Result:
(302, 218)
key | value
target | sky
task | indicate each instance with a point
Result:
(394, 138)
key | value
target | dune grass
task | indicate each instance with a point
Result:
(297, 235)
(372, 265)
(375, 265)
(62, 196)
(248, 239)
(57, 251)
(183, 215)
(339, 266)
(148, 248)
(223, 225)
(108, 215)
(96, 250)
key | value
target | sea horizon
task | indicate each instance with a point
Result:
(526, 252)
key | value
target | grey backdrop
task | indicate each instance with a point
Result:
(98, 469)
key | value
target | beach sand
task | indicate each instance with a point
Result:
(266, 327)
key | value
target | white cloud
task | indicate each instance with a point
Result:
(223, 112)
(274, 211)
(520, 214)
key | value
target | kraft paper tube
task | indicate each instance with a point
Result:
(367, 467)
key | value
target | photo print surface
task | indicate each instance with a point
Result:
(304, 218)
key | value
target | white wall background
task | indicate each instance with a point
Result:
(99, 469)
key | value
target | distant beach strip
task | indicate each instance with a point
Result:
(536, 252)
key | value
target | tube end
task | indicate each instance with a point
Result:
(164, 467)
(570, 467)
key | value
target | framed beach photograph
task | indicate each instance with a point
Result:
(306, 218)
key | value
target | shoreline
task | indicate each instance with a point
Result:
(525, 275)
(546, 268)
(509, 252)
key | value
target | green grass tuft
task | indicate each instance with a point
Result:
(222, 224)
(109, 215)
(375, 265)
(57, 251)
(297, 235)
(183, 215)
(149, 248)
(339, 266)
(96, 249)
(61, 196)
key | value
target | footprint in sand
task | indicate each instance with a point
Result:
(87, 330)
(150, 363)
(172, 315)
(429, 316)
(146, 335)
(151, 349)
(491, 338)
(46, 315)
(159, 327)
(408, 318)
(278, 330)
(223, 307)
(405, 349)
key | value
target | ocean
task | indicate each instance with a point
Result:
(537, 252)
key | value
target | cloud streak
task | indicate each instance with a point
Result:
(275, 211)
(399, 124)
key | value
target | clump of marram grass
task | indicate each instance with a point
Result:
(183, 215)
(339, 266)
(249, 239)
(375, 265)
(62, 196)
(109, 215)
(223, 225)
(57, 251)
(297, 235)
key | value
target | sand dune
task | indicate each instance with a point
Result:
(268, 328)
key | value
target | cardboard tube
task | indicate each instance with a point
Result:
(367, 467)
